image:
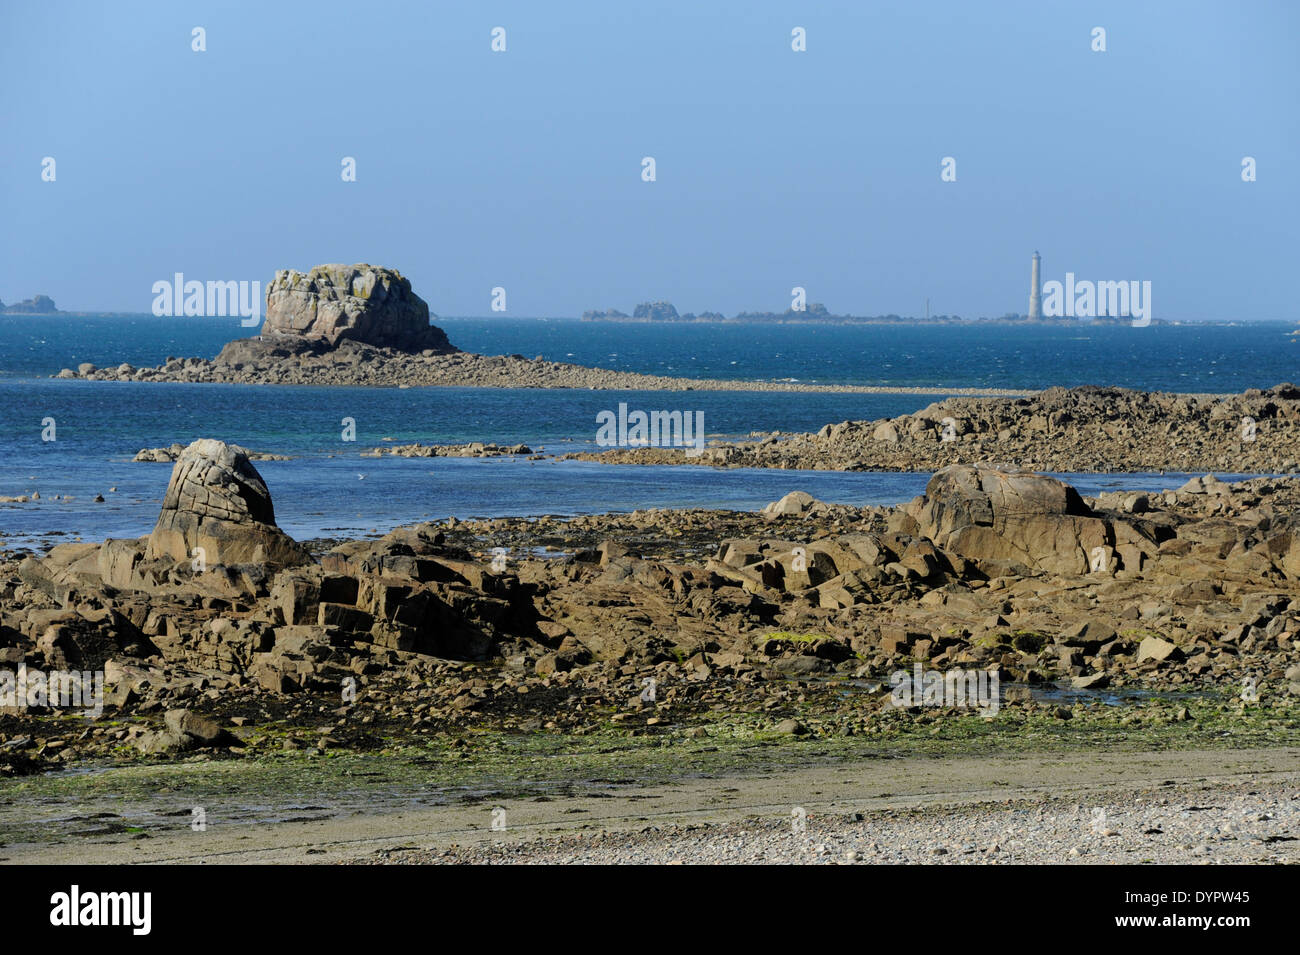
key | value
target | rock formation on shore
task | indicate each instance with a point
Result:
(1019, 522)
(1060, 429)
(990, 568)
(217, 509)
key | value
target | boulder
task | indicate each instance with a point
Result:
(117, 560)
(217, 502)
(203, 731)
(76, 642)
(1160, 650)
(63, 572)
(360, 303)
(792, 505)
(885, 431)
(280, 674)
(1009, 518)
(1284, 551)
(1092, 681)
(162, 742)
(159, 455)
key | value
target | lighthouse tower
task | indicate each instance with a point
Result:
(1035, 293)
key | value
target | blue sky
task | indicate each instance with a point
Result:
(522, 169)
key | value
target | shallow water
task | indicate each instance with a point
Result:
(328, 490)
(353, 497)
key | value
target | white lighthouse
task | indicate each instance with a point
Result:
(1035, 290)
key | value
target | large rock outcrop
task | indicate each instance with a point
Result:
(1010, 518)
(218, 505)
(360, 303)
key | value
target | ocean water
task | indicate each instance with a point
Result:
(1218, 358)
(329, 490)
(350, 497)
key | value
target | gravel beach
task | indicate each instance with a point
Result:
(1241, 822)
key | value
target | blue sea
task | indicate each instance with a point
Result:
(329, 490)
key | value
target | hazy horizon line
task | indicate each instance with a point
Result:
(629, 320)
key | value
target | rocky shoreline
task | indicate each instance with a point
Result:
(170, 454)
(217, 635)
(1088, 429)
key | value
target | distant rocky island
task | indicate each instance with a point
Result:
(815, 312)
(37, 305)
(652, 312)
